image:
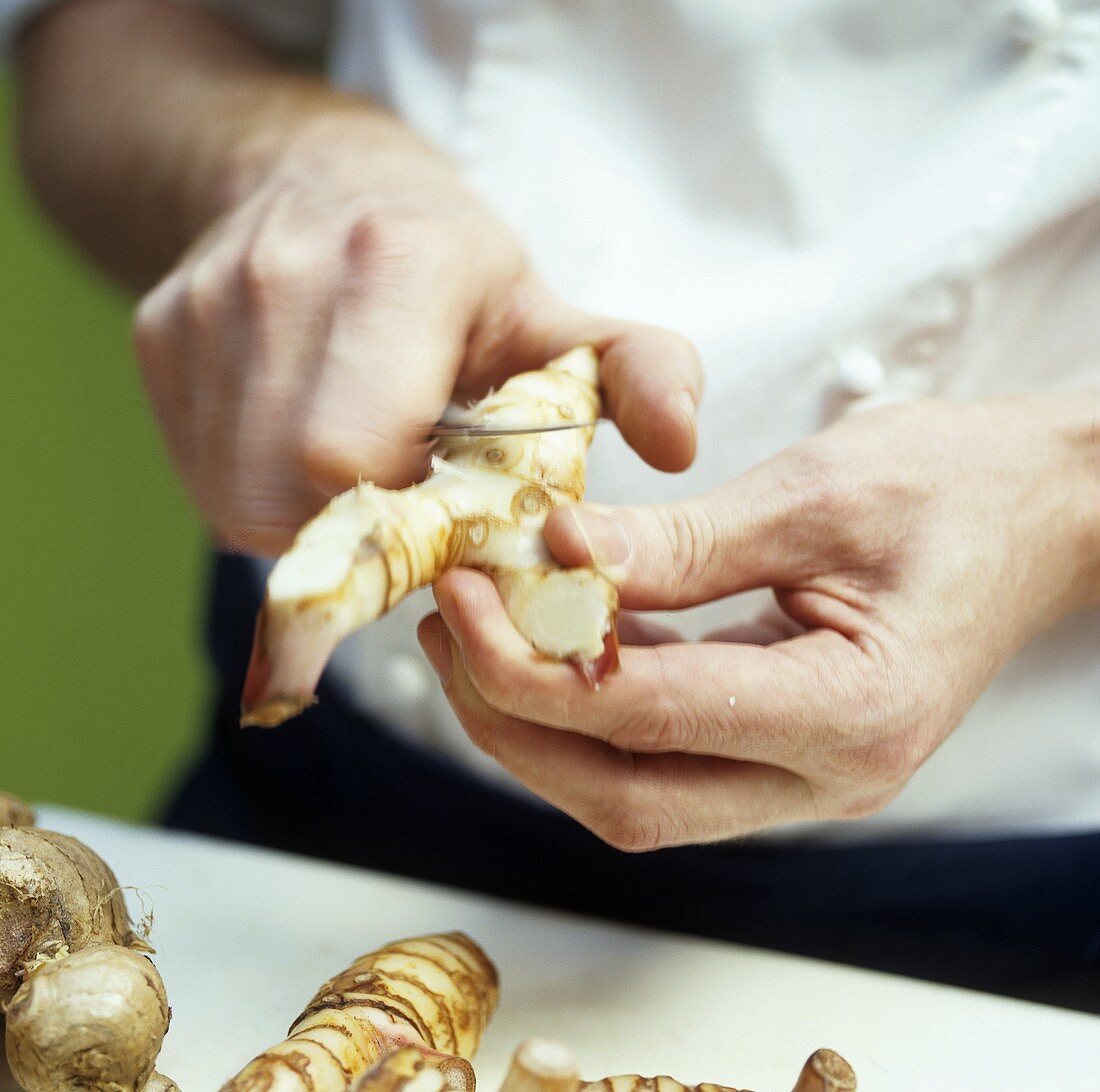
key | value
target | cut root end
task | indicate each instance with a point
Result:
(595, 671)
(272, 712)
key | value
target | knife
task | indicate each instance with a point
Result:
(451, 428)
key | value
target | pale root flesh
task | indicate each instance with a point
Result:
(484, 506)
(433, 993)
(92, 1021)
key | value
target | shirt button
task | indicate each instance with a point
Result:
(857, 372)
(1030, 21)
(406, 678)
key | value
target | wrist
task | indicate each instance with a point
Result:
(294, 123)
(1066, 426)
(295, 128)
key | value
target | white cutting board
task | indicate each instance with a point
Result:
(244, 937)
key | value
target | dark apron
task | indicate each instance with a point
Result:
(1019, 916)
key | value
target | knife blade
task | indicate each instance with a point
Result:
(444, 428)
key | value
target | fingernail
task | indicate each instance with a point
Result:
(687, 407)
(609, 546)
(437, 648)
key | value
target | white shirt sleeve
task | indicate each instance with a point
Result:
(297, 25)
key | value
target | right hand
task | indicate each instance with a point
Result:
(324, 320)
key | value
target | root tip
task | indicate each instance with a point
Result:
(273, 711)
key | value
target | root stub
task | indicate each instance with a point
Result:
(826, 1071)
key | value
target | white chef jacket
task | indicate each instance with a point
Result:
(843, 203)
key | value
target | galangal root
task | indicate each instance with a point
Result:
(484, 505)
(432, 994)
(85, 1009)
(56, 897)
(540, 1065)
(93, 1020)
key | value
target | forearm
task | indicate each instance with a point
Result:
(142, 120)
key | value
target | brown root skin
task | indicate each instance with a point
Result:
(631, 1082)
(93, 1021)
(826, 1071)
(484, 506)
(434, 994)
(14, 812)
(56, 896)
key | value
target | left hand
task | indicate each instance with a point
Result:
(912, 551)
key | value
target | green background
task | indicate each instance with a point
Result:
(103, 559)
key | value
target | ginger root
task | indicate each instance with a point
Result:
(484, 505)
(14, 812)
(93, 1021)
(56, 896)
(433, 993)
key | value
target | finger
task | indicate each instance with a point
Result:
(651, 378)
(633, 802)
(767, 628)
(753, 532)
(158, 336)
(779, 705)
(397, 340)
(287, 291)
(257, 313)
(636, 629)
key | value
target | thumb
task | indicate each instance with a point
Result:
(650, 378)
(664, 557)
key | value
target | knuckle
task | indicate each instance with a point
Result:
(403, 248)
(863, 805)
(819, 483)
(662, 725)
(889, 760)
(482, 734)
(369, 236)
(375, 239)
(152, 324)
(205, 297)
(690, 540)
(682, 349)
(270, 266)
(871, 757)
(491, 674)
(325, 452)
(627, 823)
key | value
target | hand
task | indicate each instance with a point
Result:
(323, 322)
(911, 550)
